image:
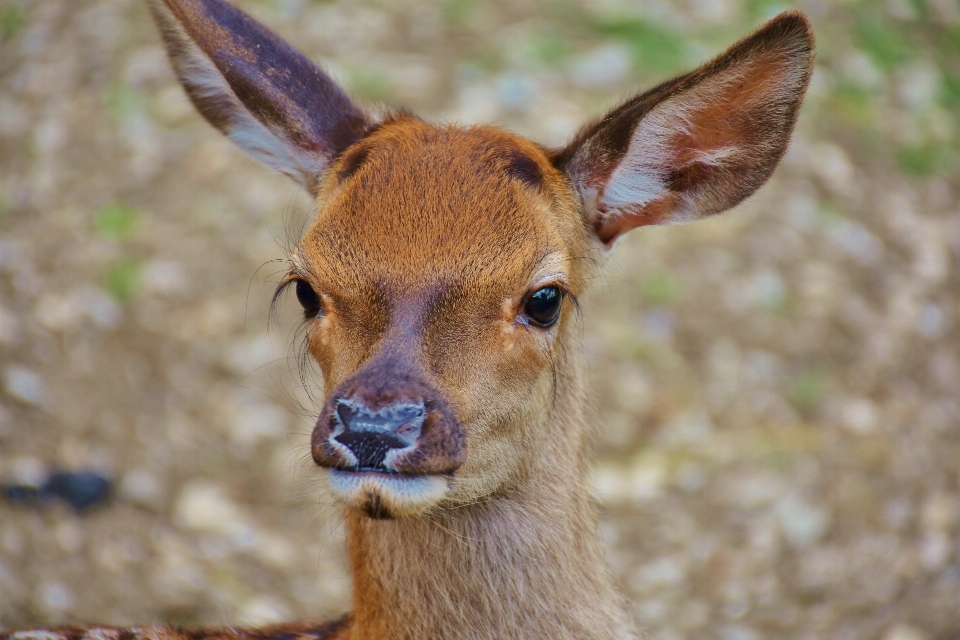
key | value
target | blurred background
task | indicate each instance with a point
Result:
(779, 387)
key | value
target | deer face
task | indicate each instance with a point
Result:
(445, 263)
(440, 275)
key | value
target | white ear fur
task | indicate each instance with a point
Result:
(698, 144)
(642, 176)
(207, 87)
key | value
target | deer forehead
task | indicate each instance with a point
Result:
(415, 207)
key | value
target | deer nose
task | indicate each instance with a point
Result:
(370, 435)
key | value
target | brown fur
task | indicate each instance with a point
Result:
(426, 244)
(336, 630)
(747, 99)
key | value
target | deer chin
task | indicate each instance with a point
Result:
(388, 495)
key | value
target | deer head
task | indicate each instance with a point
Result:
(440, 277)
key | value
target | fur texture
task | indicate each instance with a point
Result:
(258, 90)
(700, 143)
(427, 243)
(295, 631)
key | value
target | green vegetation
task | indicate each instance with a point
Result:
(855, 104)
(12, 19)
(551, 49)
(950, 91)
(370, 84)
(459, 12)
(123, 101)
(659, 289)
(807, 390)
(121, 279)
(926, 159)
(888, 47)
(656, 48)
(116, 221)
(764, 9)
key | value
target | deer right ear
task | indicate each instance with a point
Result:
(698, 144)
(258, 90)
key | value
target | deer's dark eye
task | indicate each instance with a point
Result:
(543, 307)
(308, 299)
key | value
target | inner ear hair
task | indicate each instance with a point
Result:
(698, 144)
(258, 90)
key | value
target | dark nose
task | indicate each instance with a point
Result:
(371, 434)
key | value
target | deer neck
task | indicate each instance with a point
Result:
(524, 563)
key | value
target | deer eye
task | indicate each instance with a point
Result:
(308, 299)
(543, 307)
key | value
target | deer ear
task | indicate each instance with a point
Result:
(698, 144)
(258, 90)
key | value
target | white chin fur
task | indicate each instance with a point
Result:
(401, 495)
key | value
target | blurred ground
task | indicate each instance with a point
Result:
(779, 387)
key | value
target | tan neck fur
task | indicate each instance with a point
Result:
(525, 563)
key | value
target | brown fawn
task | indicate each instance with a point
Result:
(439, 283)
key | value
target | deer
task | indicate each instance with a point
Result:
(439, 282)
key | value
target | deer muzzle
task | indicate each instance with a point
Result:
(390, 441)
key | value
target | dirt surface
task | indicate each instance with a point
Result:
(779, 387)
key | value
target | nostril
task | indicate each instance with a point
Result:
(370, 434)
(344, 412)
(369, 449)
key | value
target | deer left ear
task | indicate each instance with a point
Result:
(698, 144)
(259, 91)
